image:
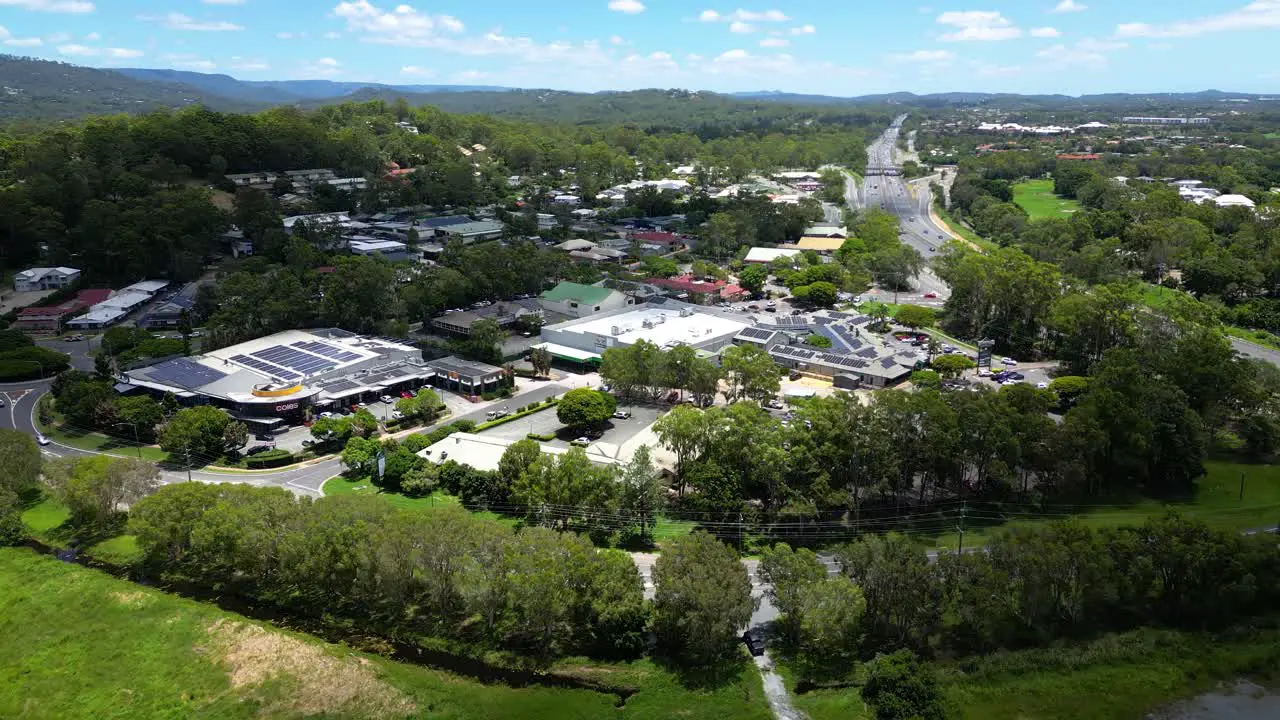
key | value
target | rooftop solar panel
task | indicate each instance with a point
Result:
(756, 333)
(868, 353)
(340, 386)
(266, 367)
(888, 363)
(328, 351)
(305, 363)
(184, 373)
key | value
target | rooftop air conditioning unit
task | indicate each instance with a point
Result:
(615, 330)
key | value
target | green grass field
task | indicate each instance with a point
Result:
(1117, 677)
(1037, 198)
(116, 649)
(962, 230)
(1217, 502)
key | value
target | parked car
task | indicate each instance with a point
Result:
(259, 449)
(673, 396)
(1017, 376)
(776, 404)
(396, 415)
(984, 372)
(73, 338)
(931, 295)
(406, 395)
(326, 414)
(1010, 362)
(622, 415)
(309, 442)
(264, 436)
(581, 441)
(754, 640)
(387, 399)
(499, 413)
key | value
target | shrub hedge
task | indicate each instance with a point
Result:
(269, 459)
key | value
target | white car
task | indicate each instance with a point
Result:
(1042, 385)
(387, 399)
(984, 372)
(42, 439)
(1009, 362)
(326, 414)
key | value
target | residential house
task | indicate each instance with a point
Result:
(54, 278)
(50, 317)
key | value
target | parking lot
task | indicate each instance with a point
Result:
(616, 432)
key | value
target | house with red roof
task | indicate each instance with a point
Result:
(50, 317)
(655, 237)
(696, 290)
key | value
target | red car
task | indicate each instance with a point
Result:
(406, 395)
(931, 295)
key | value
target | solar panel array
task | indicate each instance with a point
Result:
(266, 367)
(305, 363)
(832, 333)
(340, 386)
(756, 334)
(328, 351)
(793, 322)
(184, 373)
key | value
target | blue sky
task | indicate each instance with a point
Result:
(834, 47)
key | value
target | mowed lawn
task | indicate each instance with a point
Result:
(79, 643)
(1037, 198)
(1217, 502)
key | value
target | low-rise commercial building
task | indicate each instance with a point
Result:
(50, 318)
(475, 231)
(663, 323)
(483, 452)
(282, 378)
(467, 377)
(761, 255)
(504, 313)
(392, 250)
(578, 300)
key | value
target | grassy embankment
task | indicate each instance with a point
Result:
(1040, 202)
(1117, 677)
(963, 230)
(115, 649)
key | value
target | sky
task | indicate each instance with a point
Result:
(829, 47)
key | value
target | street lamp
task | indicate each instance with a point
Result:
(137, 440)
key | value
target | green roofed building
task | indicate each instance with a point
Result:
(577, 300)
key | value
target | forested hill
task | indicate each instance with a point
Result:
(41, 89)
(653, 109)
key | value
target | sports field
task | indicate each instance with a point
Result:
(1037, 198)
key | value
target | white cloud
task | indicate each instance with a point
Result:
(328, 62)
(744, 16)
(58, 37)
(178, 21)
(248, 64)
(737, 26)
(1045, 32)
(404, 22)
(803, 30)
(1089, 53)
(617, 40)
(417, 71)
(775, 42)
(985, 69)
(12, 41)
(1257, 15)
(469, 76)
(1069, 6)
(332, 35)
(630, 7)
(324, 67)
(205, 65)
(978, 25)
(93, 37)
(75, 7)
(925, 56)
(86, 51)
(284, 36)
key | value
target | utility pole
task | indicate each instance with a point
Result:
(1242, 486)
(960, 542)
(188, 464)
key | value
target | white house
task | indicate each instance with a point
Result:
(566, 200)
(1234, 200)
(54, 278)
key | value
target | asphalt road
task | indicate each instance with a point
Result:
(21, 399)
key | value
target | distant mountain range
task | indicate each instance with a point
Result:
(42, 89)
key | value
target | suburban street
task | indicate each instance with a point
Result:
(305, 479)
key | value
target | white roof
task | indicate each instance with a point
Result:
(483, 452)
(338, 217)
(576, 244)
(666, 326)
(100, 314)
(146, 286)
(565, 351)
(33, 273)
(1234, 201)
(375, 245)
(125, 299)
(764, 255)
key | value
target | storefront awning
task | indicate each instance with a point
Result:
(564, 352)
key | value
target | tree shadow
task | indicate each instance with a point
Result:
(704, 677)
